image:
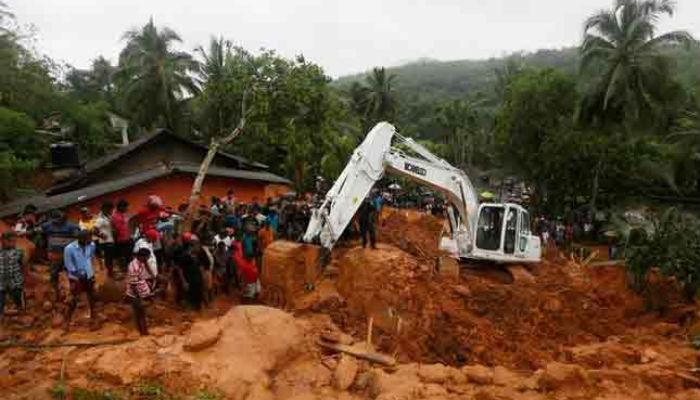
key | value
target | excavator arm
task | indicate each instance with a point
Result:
(374, 157)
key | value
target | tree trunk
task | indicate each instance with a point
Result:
(594, 190)
(214, 147)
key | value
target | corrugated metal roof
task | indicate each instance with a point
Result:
(232, 173)
(45, 203)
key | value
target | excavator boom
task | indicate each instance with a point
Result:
(375, 156)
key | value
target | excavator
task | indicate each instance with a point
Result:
(492, 232)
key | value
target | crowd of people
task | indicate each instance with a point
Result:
(156, 252)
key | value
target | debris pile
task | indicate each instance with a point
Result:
(477, 319)
(414, 232)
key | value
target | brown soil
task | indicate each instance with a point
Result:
(558, 330)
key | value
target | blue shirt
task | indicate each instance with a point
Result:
(378, 201)
(78, 260)
(274, 221)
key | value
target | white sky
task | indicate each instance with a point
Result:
(343, 36)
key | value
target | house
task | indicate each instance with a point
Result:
(159, 163)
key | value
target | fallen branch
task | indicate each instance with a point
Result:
(590, 258)
(11, 344)
(365, 355)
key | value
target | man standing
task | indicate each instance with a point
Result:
(137, 287)
(147, 218)
(78, 257)
(367, 218)
(122, 235)
(105, 233)
(189, 261)
(59, 233)
(11, 276)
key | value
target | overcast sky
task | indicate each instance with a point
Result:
(343, 36)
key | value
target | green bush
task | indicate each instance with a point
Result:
(669, 242)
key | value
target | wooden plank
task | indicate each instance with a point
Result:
(365, 355)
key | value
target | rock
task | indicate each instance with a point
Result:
(345, 373)
(254, 340)
(435, 391)
(47, 306)
(648, 355)
(462, 290)
(362, 380)
(403, 383)
(433, 373)
(202, 336)
(504, 377)
(478, 374)
(448, 267)
(557, 375)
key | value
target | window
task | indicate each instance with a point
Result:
(525, 223)
(511, 228)
(488, 231)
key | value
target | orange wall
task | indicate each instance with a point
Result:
(175, 189)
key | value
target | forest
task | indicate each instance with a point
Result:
(614, 120)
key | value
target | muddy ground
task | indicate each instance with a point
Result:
(558, 330)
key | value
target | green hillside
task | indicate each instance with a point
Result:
(424, 84)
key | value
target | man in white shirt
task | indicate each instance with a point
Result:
(103, 230)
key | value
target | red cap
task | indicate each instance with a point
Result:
(152, 235)
(187, 237)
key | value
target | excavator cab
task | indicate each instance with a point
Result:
(502, 234)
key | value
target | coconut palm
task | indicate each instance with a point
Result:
(380, 96)
(153, 77)
(461, 120)
(102, 73)
(213, 73)
(621, 45)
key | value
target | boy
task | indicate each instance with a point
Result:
(138, 287)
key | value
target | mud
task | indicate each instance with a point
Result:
(558, 330)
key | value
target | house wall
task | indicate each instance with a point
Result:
(175, 189)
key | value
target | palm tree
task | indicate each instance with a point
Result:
(102, 74)
(461, 120)
(380, 96)
(213, 73)
(153, 77)
(624, 43)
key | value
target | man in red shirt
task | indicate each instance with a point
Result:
(147, 218)
(122, 235)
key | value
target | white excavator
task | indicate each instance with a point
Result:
(495, 232)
